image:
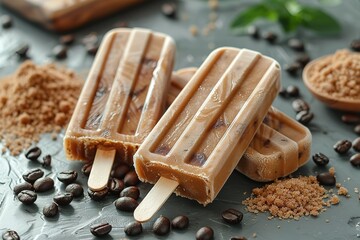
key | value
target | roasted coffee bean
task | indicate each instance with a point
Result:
(22, 186)
(253, 31)
(91, 38)
(27, 197)
(120, 171)
(326, 179)
(6, 21)
(86, 169)
(296, 44)
(131, 178)
(33, 153)
(293, 91)
(67, 177)
(32, 175)
(22, 51)
(232, 216)
(342, 146)
(357, 129)
(270, 37)
(60, 52)
(161, 226)
(133, 229)
(205, 233)
(122, 24)
(63, 199)
(10, 235)
(131, 191)
(350, 118)
(67, 39)
(92, 49)
(180, 222)
(75, 189)
(355, 160)
(100, 229)
(238, 238)
(355, 45)
(169, 10)
(300, 105)
(320, 159)
(46, 161)
(283, 92)
(98, 195)
(304, 117)
(356, 144)
(126, 204)
(293, 68)
(303, 59)
(51, 210)
(43, 184)
(116, 186)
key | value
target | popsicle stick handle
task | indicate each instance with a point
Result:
(101, 168)
(153, 201)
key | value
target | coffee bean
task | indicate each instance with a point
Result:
(300, 105)
(116, 186)
(131, 178)
(180, 222)
(205, 233)
(22, 51)
(120, 171)
(320, 159)
(122, 24)
(43, 184)
(67, 39)
(33, 153)
(91, 38)
(6, 21)
(63, 199)
(161, 226)
(296, 44)
(357, 129)
(22, 186)
(293, 91)
(169, 10)
(238, 238)
(326, 179)
(133, 229)
(355, 160)
(86, 169)
(356, 144)
(283, 92)
(98, 195)
(132, 192)
(350, 118)
(32, 175)
(126, 204)
(342, 146)
(293, 68)
(304, 117)
(355, 45)
(303, 59)
(60, 52)
(27, 197)
(67, 177)
(92, 49)
(51, 210)
(270, 37)
(75, 189)
(100, 229)
(10, 235)
(232, 216)
(253, 31)
(46, 161)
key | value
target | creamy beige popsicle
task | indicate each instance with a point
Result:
(123, 98)
(197, 143)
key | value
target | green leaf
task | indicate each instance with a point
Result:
(319, 21)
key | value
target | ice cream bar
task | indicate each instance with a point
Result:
(198, 142)
(123, 98)
(280, 146)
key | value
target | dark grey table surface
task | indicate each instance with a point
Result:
(338, 222)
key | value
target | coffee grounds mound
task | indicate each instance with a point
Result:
(289, 198)
(35, 100)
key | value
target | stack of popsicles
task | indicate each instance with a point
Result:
(222, 115)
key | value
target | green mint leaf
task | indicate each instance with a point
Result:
(319, 21)
(253, 13)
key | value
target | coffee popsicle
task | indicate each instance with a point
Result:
(198, 142)
(122, 100)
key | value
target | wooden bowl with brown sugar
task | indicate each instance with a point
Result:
(331, 80)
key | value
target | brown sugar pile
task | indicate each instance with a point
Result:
(338, 75)
(35, 100)
(289, 198)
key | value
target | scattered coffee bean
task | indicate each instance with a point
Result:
(116, 186)
(169, 10)
(22, 51)
(356, 144)
(293, 91)
(304, 117)
(92, 48)
(355, 160)
(350, 118)
(293, 68)
(22, 186)
(33, 153)
(342, 146)
(100, 229)
(51, 210)
(253, 31)
(238, 238)
(283, 92)
(91, 38)
(60, 52)
(6, 21)
(326, 179)
(357, 129)
(120, 171)
(122, 24)
(296, 44)
(320, 159)
(67, 177)
(180, 222)
(126, 204)
(300, 105)
(303, 59)
(131, 191)
(270, 37)
(133, 229)
(67, 39)
(63, 199)
(43, 184)
(10, 235)
(161, 226)
(46, 161)
(75, 189)
(232, 216)
(355, 45)
(98, 195)
(86, 169)
(27, 197)
(205, 233)
(32, 175)
(131, 178)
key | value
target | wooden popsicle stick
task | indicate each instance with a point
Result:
(157, 196)
(101, 168)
